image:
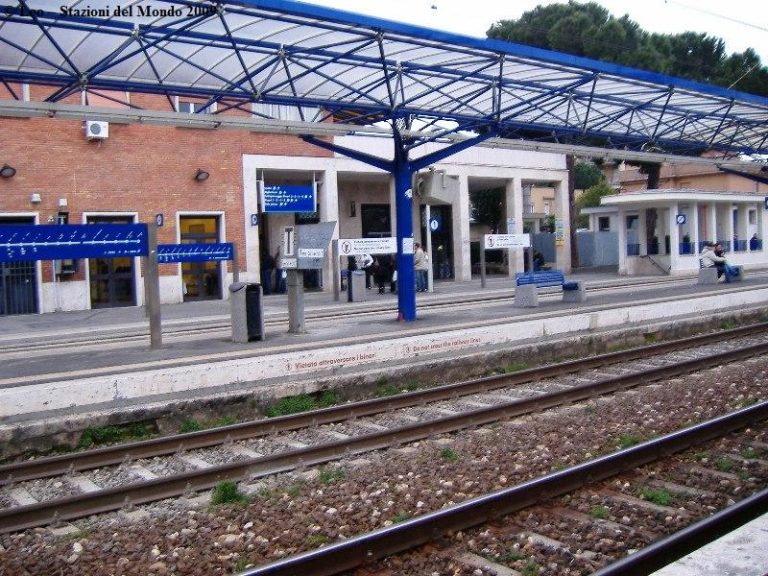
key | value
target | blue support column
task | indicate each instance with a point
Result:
(406, 287)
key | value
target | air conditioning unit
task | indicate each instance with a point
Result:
(96, 130)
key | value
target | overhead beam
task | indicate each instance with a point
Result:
(18, 109)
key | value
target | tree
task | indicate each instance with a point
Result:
(586, 175)
(589, 30)
(486, 208)
(590, 198)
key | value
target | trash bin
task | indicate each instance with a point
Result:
(247, 312)
(356, 286)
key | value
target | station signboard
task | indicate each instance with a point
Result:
(496, 241)
(288, 198)
(359, 246)
(72, 241)
(202, 252)
(312, 242)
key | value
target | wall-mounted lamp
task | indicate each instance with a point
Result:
(201, 175)
(7, 171)
(35, 198)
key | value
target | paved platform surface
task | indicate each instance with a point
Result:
(451, 304)
(743, 552)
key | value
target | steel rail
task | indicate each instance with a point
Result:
(49, 512)
(111, 455)
(349, 554)
(672, 548)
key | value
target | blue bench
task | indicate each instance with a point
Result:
(526, 284)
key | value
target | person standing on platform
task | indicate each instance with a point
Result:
(279, 275)
(364, 262)
(267, 266)
(420, 267)
(382, 273)
(754, 243)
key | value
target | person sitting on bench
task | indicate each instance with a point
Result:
(710, 257)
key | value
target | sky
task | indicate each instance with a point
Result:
(740, 23)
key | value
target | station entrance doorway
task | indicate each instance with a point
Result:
(201, 280)
(440, 226)
(18, 280)
(112, 280)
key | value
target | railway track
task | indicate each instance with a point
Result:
(580, 519)
(45, 490)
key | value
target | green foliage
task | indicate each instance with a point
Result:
(508, 557)
(660, 497)
(514, 367)
(590, 198)
(724, 464)
(329, 476)
(316, 540)
(530, 568)
(486, 207)
(94, 436)
(387, 390)
(627, 440)
(449, 454)
(748, 453)
(302, 403)
(382, 391)
(192, 425)
(402, 517)
(586, 175)
(227, 492)
(590, 30)
(599, 511)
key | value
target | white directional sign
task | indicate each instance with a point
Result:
(289, 263)
(289, 241)
(311, 252)
(493, 241)
(359, 246)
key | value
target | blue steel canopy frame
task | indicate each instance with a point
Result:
(368, 71)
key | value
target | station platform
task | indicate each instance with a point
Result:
(742, 552)
(64, 364)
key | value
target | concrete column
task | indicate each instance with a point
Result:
(674, 237)
(621, 230)
(742, 230)
(249, 252)
(712, 222)
(328, 196)
(642, 231)
(513, 200)
(729, 230)
(462, 262)
(694, 227)
(762, 223)
(562, 225)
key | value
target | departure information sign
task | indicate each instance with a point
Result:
(168, 253)
(71, 241)
(289, 198)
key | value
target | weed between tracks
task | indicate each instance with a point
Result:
(302, 403)
(227, 492)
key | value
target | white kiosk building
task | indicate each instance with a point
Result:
(663, 230)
